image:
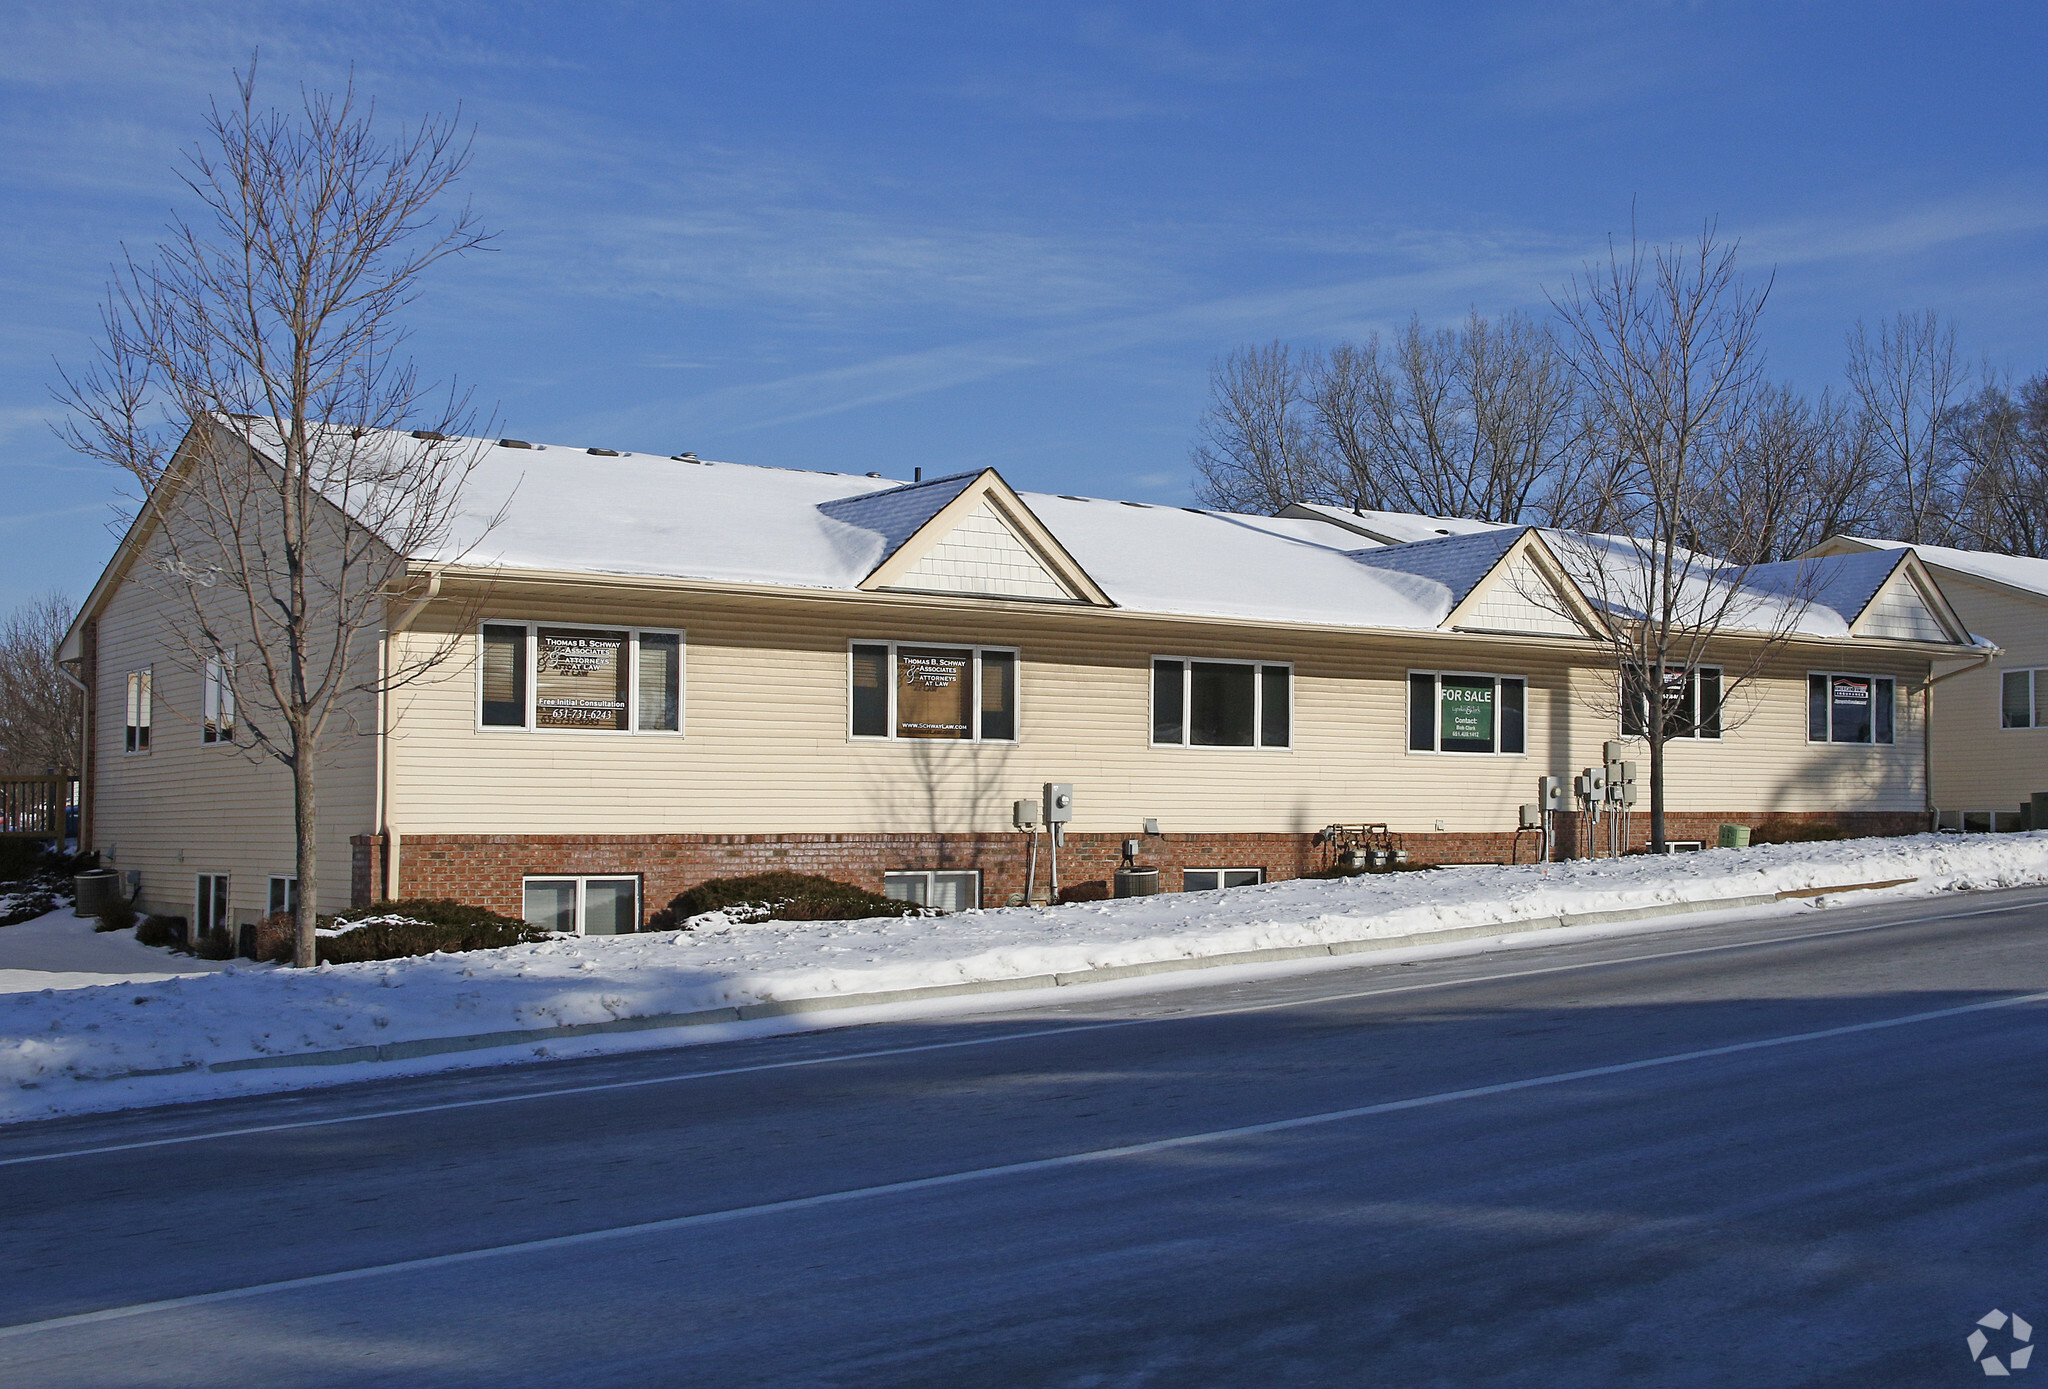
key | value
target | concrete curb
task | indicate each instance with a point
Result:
(481, 1041)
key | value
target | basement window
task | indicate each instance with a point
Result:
(584, 906)
(1221, 704)
(563, 677)
(1458, 711)
(963, 693)
(209, 905)
(1851, 708)
(1210, 879)
(948, 891)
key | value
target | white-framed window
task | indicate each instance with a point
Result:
(1842, 707)
(284, 895)
(2023, 699)
(209, 904)
(217, 700)
(1210, 879)
(139, 711)
(921, 690)
(599, 904)
(1467, 712)
(1692, 699)
(556, 677)
(948, 889)
(1222, 704)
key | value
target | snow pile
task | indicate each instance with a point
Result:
(55, 1036)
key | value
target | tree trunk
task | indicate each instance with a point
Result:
(305, 822)
(1654, 708)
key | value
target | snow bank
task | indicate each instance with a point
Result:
(54, 1038)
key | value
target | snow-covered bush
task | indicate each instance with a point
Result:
(394, 930)
(778, 897)
(24, 902)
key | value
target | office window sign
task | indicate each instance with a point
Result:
(1466, 711)
(932, 693)
(580, 679)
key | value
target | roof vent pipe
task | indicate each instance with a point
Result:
(917, 475)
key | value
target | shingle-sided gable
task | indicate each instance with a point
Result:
(1520, 598)
(1904, 611)
(984, 554)
(970, 535)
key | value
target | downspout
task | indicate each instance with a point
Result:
(383, 770)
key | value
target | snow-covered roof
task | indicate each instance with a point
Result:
(1458, 562)
(1394, 527)
(549, 507)
(1843, 584)
(2014, 571)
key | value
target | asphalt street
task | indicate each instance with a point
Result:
(1786, 1151)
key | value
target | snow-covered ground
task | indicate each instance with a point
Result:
(60, 950)
(66, 1049)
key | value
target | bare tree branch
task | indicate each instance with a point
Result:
(251, 379)
(1663, 341)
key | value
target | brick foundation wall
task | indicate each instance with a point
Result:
(486, 869)
(365, 869)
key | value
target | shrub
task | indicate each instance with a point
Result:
(217, 944)
(23, 859)
(161, 930)
(117, 915)
(277, 938)
(782, 896)
(25, 902)
(415, 926)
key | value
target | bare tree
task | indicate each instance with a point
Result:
(248, 378)
(39, 708)
(1905, 378)
(1664, 344)
(1479, 421)
(1254, 451)
(1797, 472)
(2000, 447)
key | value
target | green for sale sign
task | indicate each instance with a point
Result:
(1467, 710)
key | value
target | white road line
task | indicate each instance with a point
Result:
(982, 1174)
(1066, 1031)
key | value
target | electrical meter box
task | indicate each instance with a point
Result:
(1059, 802)
(1550, 792)
(1024, 814)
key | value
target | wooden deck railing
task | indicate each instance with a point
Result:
(34, 806)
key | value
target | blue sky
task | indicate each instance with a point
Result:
(880, 237)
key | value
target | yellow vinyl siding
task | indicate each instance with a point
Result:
(767, 749)
(1978, 764)
(185, 807)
